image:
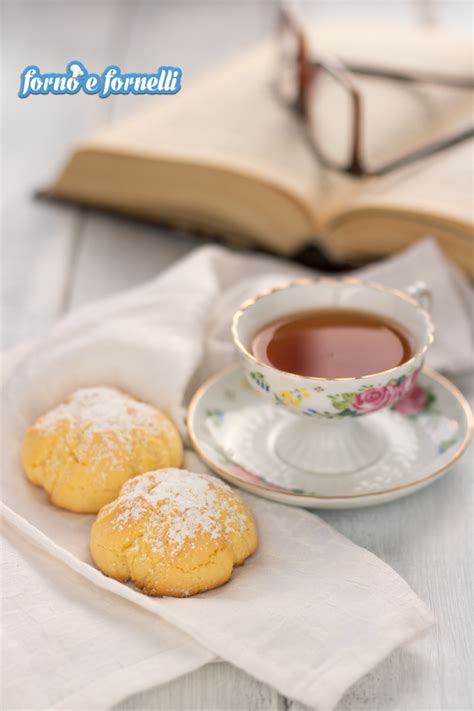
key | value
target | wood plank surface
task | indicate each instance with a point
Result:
(56, 258)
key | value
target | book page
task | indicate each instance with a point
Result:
(440, 186)
(233, 118)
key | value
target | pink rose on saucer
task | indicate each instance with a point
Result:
(375, 398)
(414, 401)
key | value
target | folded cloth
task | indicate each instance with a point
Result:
(309, 614)
(66, 645)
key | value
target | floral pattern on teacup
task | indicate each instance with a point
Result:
(371, 399)
(397, 392)
(260, 381)
(375, 398)
(292, 397)
(407, 383)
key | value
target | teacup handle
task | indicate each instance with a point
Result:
(420, 292)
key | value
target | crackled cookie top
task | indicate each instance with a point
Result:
(173, 532)
(103, 410)
(83, 450)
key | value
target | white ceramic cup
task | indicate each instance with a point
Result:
(308, 441)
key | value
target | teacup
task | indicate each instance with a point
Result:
(312, 442)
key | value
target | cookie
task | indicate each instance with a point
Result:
(82, 451)
(173, 532)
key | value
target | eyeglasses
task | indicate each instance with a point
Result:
(317, 87)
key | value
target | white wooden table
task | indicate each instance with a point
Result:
(55, 258)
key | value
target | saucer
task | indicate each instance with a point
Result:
(233, 430)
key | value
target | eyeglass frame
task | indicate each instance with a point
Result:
(307, 68)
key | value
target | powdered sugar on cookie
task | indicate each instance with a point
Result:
(104, 410)
(173, 532)
(177, 505)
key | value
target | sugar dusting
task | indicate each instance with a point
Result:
(176, 506)
(107, 411)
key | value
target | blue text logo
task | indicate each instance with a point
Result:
(76, 78)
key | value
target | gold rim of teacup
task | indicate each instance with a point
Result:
(345, 280)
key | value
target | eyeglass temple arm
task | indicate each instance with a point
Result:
(425, 151)
(421, 77)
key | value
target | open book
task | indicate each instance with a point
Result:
(224, 156)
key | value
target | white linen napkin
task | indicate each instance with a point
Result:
(309, 614)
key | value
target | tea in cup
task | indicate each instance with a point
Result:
(333, 343)
(332, 350)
